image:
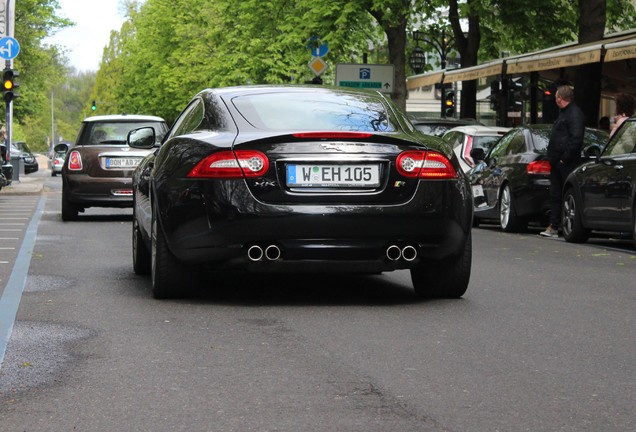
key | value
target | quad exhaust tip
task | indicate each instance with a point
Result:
(393, 253)
(255, 253)
(407, 253)
(271, 253)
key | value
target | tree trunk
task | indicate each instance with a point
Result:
(396, 38)
(587, 84)
(468, 47)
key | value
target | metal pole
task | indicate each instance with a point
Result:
(52, 125)
(9, 106)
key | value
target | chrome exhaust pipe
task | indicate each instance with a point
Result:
(255, 253)
(272, 252)
(409, 253)
(393, 253)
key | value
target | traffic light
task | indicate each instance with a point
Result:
(516, 96)
(449, 103)
(495, 95)
(9, 84)
(94, 106)
(549, 108)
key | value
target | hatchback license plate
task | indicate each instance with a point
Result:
(333, 175)
(122, 162)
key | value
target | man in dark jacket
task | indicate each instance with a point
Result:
(564, 152)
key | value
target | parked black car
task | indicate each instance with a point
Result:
(511, 183)
(299, 179)
(601, 194)
(28, 159)
(7, 168)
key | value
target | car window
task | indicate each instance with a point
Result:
(485, 142)
(100, 133)
(623, 142)
(517, 144)
(190, 119)
(315, 112)
(453, 138)
(540, 139)
(501, 148)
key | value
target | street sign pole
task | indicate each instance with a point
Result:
(6, 30)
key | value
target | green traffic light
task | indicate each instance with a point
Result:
(94, 106)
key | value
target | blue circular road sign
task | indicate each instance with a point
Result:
(9, 48)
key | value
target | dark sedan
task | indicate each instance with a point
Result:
(29, 161)
(299, 179)
(511, 184)
(601, 194)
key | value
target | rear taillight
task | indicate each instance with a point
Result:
(229, 164)
(75, 161)
(422, 164)
(538, 167)
(467, 148)
(332, 135)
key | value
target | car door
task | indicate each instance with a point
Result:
(498, 166)
(607, 185)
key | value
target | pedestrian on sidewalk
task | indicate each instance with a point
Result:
(564, 151)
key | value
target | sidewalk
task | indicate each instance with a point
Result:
(29, 183)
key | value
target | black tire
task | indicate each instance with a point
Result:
(167, 272)
(476, 222)
(444, 279)
(69, 210)
(508, 219)
(142, 260)
(571, 225)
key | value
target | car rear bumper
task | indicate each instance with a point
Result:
(87, 191)
(434, 224)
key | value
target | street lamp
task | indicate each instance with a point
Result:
(442, 46)
(417, 60)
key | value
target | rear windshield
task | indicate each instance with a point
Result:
(485, 142)
(540, 139)
(315, 112)
(99, 133)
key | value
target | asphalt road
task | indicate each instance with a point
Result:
(542, 341)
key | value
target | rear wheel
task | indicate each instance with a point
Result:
(141, 255)
(166, 271)
(476, 222)
(508, 218)
(573, 230)
(69, 210)
(446, 278)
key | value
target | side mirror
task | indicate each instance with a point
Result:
(592, 152)
(142, 138)
(478, 154)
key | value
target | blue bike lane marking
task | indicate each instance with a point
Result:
(10, 300)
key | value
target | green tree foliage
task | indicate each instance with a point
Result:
(40, 69)
(170, 49)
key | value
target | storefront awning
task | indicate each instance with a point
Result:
(555, 60)
(424, 80)
(623, 50)
(620, 46)
(475, 72)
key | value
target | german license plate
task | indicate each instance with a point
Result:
(122, 162)
(367, 175)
